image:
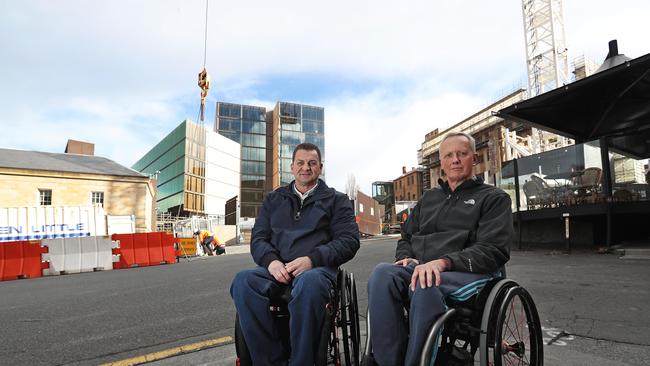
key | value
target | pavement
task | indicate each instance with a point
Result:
(245, 248)
(594, 308)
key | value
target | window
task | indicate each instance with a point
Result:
(97, 198)
(45, 197)
(253, 113)
(229, 110)
(290, 109)
(312, 126)
(372, 211)
(312, 113)
(253, 127)
(361, 207)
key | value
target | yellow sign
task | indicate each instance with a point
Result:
(188, 245)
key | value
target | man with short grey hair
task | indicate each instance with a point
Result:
(455, 240)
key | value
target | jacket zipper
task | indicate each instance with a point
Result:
(296, 217)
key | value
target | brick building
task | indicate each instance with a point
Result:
(409, 185)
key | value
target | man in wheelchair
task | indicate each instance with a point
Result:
(455, 240)
(303, 233)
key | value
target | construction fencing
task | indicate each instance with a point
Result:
(47, 257)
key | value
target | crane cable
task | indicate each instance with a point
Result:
(198, 134)
(204, 78)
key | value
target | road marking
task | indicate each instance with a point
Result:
(170, 352)
(554, 335)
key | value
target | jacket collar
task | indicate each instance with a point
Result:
(321, 190)
(472, 182)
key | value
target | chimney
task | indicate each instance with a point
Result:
(79, 147)
(403, 170)
(613, 49)
(613, 58)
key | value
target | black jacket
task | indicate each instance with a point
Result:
(324, 228)
(471, 227)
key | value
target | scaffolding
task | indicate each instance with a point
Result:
(548, 68)
(546, 51)
(165, 222)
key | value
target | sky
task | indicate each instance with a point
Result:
(122, 74)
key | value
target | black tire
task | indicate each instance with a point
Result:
(346, 335)
(345, 316)
(354, 319)
(518, 333)
(491, 307)
(321, 357)
(240, 345)
(368, 360)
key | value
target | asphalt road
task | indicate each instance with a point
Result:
(599, 301)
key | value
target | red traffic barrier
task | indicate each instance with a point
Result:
(144, 249)
(21, 259)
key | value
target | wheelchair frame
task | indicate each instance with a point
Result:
(481, 328)
(340, 337)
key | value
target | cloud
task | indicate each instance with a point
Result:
(372, 136)
(123, 74)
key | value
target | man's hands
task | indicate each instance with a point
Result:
(428, 273)
(299, 265)
(283, 273)
(406, 261)
(277, 270)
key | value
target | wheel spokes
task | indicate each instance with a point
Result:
(515, 341)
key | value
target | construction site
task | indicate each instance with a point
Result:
(576, 167)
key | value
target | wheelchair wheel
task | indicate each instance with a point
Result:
(518, 334)
(349, 318)
(437, 341)
(322, 356)
(243, 355)
(367, 358)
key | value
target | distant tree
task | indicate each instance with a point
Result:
(352, 187)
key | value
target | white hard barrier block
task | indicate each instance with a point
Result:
(81, 254)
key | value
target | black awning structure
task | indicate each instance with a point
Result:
(614, 103)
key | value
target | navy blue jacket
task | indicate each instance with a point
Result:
(323, 228)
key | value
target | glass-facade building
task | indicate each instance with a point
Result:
(246, 125)
(292, 124)
(196, 171)
(267, 141)
(166, 161)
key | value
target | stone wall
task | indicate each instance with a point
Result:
(122, 195)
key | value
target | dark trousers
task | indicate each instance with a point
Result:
(250, 291)
(394, 342)
(207, 245)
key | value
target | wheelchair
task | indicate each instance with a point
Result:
(499, 326)
(340, 339)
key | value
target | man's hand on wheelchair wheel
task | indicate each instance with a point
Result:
(277, 270)
(428, 273)
(299, 265)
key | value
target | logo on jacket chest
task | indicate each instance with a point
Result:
(470, 202)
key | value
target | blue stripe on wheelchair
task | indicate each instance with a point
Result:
(467, 294)
(470, 286)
